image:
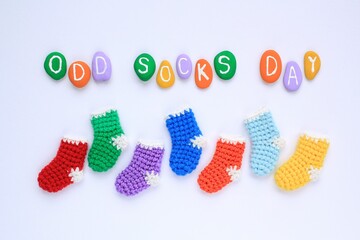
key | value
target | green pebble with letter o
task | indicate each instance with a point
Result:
(55, 65)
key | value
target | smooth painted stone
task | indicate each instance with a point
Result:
(101, 67)
(165, 77)
(312, 64)
(79, 74)
(203, 73)
(270, 66)
(183, 66)
(292, 76)
(144, 66)
(55, 65)
(225, 65)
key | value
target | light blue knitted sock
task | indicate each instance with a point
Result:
(187, 141)
(265, 142)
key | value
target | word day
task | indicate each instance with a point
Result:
(79, 72)
(224, 63)
(271, 67)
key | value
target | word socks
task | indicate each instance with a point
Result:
(143, 170)
(304, 165)
(225, 166)
(187, 141)
(265, 142)
(67, 166)
(109, 141)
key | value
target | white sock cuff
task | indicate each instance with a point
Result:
(231, 139)
(256, 114)
(74, 140)
(102, 113)
(178, 113)
(150, 144)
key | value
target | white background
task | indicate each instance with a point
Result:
(37, 111)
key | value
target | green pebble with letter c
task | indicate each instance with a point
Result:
(225, 65)
(144, 66)
(55, 65)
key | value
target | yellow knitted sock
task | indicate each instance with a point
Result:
(304, 165)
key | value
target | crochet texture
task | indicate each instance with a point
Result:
(187, 141)
(66, 167)
(265, 142)
(109, 141)
(143, 170)
(225, 165)
(304, 165)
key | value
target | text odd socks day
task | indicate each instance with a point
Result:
(224, 63)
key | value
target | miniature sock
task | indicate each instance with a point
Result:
(143, 170)
(225, 166)
(187, 141)
(109, 141)
(265, 142)
(67, 166)
(304, 165)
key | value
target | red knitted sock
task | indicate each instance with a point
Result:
(225, 165)
(67, 166)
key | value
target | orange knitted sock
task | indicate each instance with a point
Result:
(225, 165)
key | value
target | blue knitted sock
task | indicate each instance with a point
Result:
(187, 141)
(265, 140)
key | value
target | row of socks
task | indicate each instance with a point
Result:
(109, 142)
(187, 142)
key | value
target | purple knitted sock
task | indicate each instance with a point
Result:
(143, 170)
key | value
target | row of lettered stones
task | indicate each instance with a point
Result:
(79, 72)
(224, 63)
(271, 68)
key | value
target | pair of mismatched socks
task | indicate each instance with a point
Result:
(187, 142)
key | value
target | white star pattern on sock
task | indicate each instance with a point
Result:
(314, 173)
(198, 141)
(152, 178)
(76, 175)
(234, 173)
(120, 142)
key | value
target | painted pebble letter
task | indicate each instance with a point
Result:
(144, 66)
(312, 64)
(183, 66)
(79, 74)
(270, 66)
(55, 65)
(225, 65)
(165, 76)
(203, 73)
(101, 67)
(292, 76)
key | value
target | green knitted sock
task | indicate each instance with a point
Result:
(109, 141)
